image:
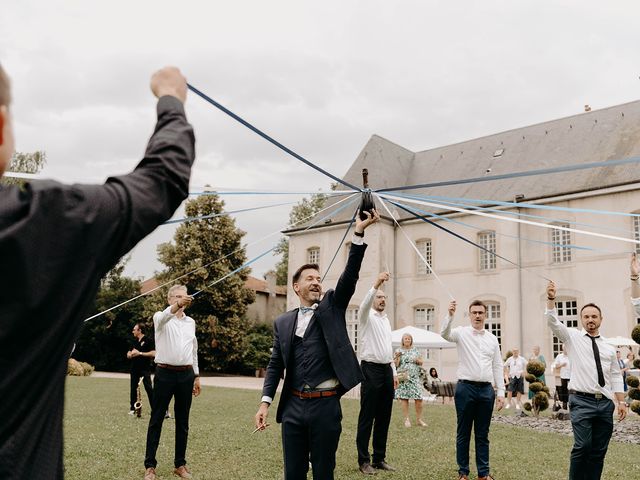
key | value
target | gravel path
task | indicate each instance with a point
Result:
(627, 431)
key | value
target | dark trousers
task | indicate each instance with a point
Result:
(563, 392)
(311, 430)
(146, 381)
(376, 403)
(592, 422)
(167, 384)
(474, 406)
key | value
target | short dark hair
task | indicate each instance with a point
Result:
(140, 327)
(478, 303)
(306, 266)
(591, 305)
(5, 88)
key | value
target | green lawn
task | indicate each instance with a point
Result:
(103, 442)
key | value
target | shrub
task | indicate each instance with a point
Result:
(634, 393)
(633, 381)
(635, 406)
(527, 406)
(536, 387)
(635, 334)
(530, 378)
(79, 369)
(535, 367)
(540, 401)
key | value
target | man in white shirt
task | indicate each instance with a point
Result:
(514, 369)
(594, 388)
(177, 376)
(563, 363)
(380, 379)
(479, 366)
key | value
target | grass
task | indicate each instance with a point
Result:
(103, 442)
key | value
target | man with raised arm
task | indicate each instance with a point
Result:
(311, 349)
(56, 242)
(379, 379)
(594, 388)
(177, 377)
(479, 366)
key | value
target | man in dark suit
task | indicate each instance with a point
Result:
(56, 242)
(312, 348)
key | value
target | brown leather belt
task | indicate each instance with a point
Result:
(314, 393)
(175, 368)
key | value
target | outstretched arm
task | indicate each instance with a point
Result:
(559, 329)
(347, 282)
(445, 331)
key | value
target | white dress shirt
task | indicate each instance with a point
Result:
(479, 357)
(584, 374)
(176, 342)
(516, 366)
(565, 365)
(375, 333)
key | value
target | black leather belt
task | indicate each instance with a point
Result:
(477, 384)
(597, 396)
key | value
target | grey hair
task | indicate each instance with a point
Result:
(174, 288)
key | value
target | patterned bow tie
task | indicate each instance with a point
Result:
(478, 332)
(304, 310)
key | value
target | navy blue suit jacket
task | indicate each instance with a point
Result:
(330, 315)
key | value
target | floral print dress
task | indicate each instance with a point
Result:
(411, 388)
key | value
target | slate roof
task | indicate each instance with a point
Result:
(600, 135)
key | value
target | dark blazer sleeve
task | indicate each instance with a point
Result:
(275, 368)
(346, 285)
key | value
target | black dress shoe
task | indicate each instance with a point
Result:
(367, 469)
(383, 466)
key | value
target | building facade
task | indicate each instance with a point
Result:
(585, 268)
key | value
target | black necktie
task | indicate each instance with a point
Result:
(596, 354)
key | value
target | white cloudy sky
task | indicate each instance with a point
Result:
(321, 77)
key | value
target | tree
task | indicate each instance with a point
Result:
(105, 340)
(219, 310)
(24, 163)
(305, 209)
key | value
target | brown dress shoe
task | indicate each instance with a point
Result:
(462, 476)
(488, 477)
(150, 474)
(367, 469)
(383, 466)
(182, 471)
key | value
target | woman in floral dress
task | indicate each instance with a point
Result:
(408, 359)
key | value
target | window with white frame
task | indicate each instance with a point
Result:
(567, 314)
(487, 240)
(636, 231)
(352, 326)
(313, 255)
(493, 323)
(424, 247)
(560, 239)
(424, 317)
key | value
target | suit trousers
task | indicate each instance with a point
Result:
(168, 384)
(146, 381)
(311, 430)
(474, 406)
(592, 422)
(376, 403)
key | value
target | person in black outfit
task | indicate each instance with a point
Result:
(56, 242)
(141, 355)
(312, 348)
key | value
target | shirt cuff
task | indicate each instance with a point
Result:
(635, 301)
(355, 240)
(266, 399)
